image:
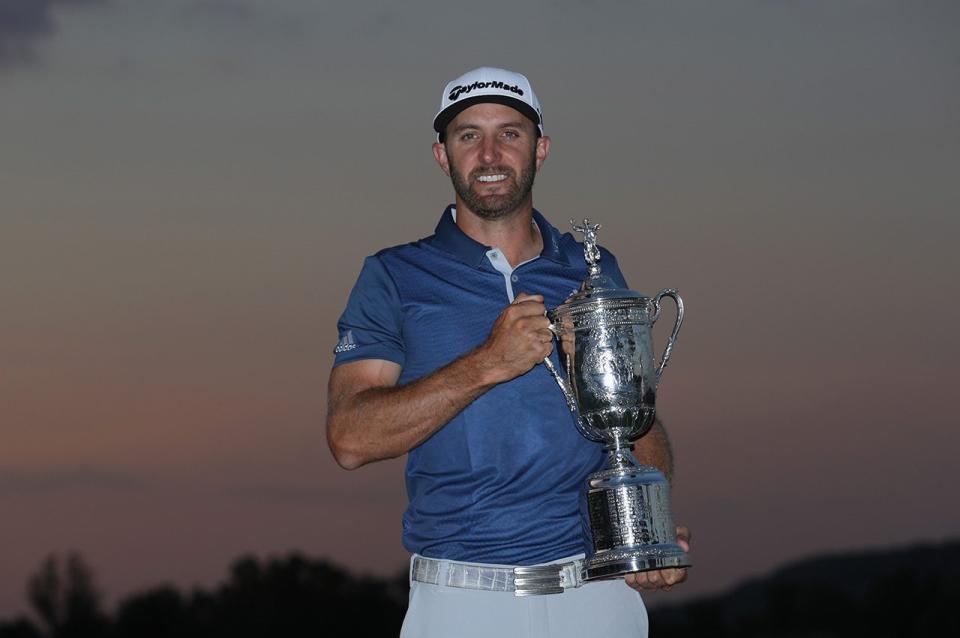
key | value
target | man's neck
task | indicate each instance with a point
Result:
(515, 235)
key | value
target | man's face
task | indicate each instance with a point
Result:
(492, 154)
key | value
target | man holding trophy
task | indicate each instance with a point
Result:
(528, 513)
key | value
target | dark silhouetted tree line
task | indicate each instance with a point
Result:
(286, 597)
(902, 593)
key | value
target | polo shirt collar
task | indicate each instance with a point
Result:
(451, 239)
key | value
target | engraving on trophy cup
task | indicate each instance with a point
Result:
(610, 387)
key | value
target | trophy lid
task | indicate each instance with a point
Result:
(597, 286)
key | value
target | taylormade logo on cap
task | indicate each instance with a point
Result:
(460, 90)
(487, 84)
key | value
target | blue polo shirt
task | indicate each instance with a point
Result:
(502, 481)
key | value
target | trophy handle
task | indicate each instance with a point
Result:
(672, 293)
(584, 428)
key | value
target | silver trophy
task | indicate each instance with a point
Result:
(611, 387)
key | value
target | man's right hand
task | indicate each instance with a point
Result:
(520, 338)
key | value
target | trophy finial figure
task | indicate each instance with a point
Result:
(590, 251)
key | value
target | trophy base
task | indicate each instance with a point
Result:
(630, 522)
(617, 563)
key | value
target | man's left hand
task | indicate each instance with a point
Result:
(662, 578)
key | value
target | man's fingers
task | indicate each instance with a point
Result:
(535, 325)
(523, 299)
(528, 309)
(674, 576)
(637, 580)
(656, 578)
(662, 578)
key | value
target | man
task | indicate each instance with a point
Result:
(438, 359)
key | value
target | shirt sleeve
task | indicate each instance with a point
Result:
(371, 326)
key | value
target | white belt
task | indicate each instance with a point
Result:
(522, 581)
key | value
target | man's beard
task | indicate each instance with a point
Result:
(494, 206)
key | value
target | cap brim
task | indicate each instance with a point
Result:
(446, 116)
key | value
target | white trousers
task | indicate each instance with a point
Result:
(597, 609)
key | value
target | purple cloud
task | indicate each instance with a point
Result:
(24, 22)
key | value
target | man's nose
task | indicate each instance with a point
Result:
(490, 150)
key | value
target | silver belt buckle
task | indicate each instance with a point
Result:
(537, 580)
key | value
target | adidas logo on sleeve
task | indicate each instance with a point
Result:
(346, 343)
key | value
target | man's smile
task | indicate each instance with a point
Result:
(491, 178)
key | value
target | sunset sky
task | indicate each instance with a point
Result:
(188, 189)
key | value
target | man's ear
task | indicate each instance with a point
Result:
(542, 150)
(440, 154)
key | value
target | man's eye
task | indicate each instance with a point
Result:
(468, 137)
(511, 135)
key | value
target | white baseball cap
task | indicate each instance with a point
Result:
(487, 84)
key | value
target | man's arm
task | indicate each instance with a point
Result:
(653, 448)
(370, 418)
